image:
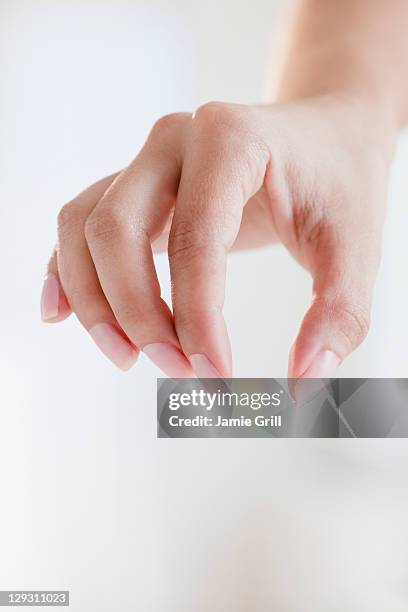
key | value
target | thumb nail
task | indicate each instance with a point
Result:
(323, 366)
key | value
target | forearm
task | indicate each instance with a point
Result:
(353, 46)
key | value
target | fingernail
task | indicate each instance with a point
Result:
(50, 298)
(323, 366)
(203, 368)
(169, 359)
(112, 343)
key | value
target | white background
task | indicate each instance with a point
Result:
(90, 500)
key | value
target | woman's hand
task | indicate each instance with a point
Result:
(310, 173)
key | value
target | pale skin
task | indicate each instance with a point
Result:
(309, 170)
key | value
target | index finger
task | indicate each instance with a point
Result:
(221, 171)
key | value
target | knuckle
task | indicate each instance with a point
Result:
(165, 124)
(190, 316)
(352, 320)
(183, 239)
(225, 119)
(188, 241)
(104, 225)
(68, 220)
(309, 224)
(355, 323)
(233, 128)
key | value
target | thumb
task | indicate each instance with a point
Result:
(337, 321)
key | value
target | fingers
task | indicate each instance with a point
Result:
(344, 270)
(54, 304)
(220, 173)
(80, 281)
(256, 229)
(71, 282)
(118, 233)
(104, 269)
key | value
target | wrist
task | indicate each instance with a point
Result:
(373, 119)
